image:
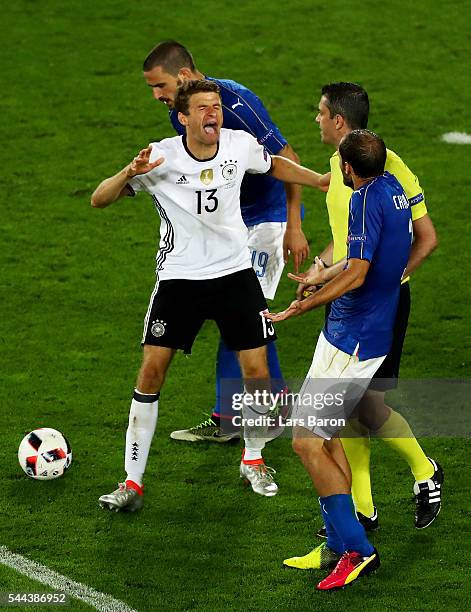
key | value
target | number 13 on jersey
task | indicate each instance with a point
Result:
(202, 198)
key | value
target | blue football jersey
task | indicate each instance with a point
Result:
(379, 230)
(262, 197)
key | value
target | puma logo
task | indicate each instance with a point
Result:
(239, 103)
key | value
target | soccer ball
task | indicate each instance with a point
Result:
(44, 454)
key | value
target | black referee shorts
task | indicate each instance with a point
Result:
(178, 308)
(387, 374)
(386, 377)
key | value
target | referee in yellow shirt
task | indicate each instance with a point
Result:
(344, 107)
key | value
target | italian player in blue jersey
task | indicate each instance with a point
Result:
(342, 108)
(270, 209)
(355, 341)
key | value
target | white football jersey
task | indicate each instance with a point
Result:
(202, 234)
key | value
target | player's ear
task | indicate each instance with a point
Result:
(183, 119)
(339, 122)
(184, 74)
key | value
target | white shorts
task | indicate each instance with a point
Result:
(333, 386)
(266, 247)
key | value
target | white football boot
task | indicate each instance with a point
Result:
(124, 498)
(260, 478)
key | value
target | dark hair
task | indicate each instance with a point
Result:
(171, 56)
(189, 88)
(365, 151)
(348, 100)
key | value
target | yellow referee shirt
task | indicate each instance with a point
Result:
(338, 198)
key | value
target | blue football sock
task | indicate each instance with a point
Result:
(333, 540)
(349, 529)
(228, 377)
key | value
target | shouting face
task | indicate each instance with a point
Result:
(204, 119)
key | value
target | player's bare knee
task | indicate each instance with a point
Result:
(300, 446)
(155, 363)
(253, 363)
(151, 377)
(257, 372)
(306, 444)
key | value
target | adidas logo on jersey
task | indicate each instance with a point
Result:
(182, 180)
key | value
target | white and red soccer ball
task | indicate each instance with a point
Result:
(44, 454)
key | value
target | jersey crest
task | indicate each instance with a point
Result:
(229, 171)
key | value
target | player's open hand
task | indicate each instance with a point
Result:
(293, 310)
(295, 244)
(314, 276)
(141, 164)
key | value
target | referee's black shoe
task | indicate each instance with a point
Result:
(428, 500)
(370, 523)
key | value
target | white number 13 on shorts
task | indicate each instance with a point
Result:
(268, 329)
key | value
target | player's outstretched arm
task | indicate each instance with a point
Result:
(318, 273)
(326, 259)
(425, 241)
(290, 172)
(115, 187)
(327, 255)
(351, 278)
(325, 182)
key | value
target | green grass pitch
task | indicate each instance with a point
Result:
(75, 285)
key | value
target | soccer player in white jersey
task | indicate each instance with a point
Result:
(203, 256)
(270, 209)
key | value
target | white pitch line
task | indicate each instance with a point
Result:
(36, 571)
(459, 138)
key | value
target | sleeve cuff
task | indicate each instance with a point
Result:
(418, 211)
(356, 252)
